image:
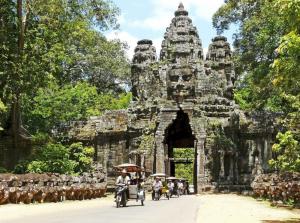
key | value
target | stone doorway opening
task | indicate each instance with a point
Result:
(179, 135)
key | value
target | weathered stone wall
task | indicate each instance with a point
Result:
(9, 154)
(31, 188)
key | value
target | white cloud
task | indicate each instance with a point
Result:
(205, 50)
(132, 41)
(163, 12)
(157, 44)
(124, 37)
(204, 8)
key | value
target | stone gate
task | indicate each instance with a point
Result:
(182, 99)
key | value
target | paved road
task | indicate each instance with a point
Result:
(224, 208)
(175, 210)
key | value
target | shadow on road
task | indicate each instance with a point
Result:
(294, 220)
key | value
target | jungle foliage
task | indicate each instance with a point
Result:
(183, 170)
(57, 158)
(57, 66)
(57, 45)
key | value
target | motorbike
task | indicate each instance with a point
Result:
(156, 195)
(174, 191)
(121, 197)
(135, 188)
(166, 192)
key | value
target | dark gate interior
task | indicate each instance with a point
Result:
(178, 135)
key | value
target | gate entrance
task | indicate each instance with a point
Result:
(179, 137)
(184, 163)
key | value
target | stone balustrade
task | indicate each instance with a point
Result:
(32, 188)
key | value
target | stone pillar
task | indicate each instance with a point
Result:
(266, 154)
(236, 170)
(231, 168)
(251, 158)
(143, 160)
(222, 171)
(160, 156)
(201, 178)
(260, 154)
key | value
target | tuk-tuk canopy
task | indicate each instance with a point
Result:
(158, 175)
(129, 167)
(172, 178)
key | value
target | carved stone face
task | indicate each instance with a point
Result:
(181, 23)
(181, 84)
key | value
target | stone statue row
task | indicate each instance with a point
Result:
(279, 188)
(40, 188)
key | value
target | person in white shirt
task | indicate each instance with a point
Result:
(180, 187)
(170, 186)
(157, 185)
(123, 179)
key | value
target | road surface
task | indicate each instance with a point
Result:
(186, 209)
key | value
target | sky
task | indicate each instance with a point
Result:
(148, 19)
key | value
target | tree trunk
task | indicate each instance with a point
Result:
(16, 123)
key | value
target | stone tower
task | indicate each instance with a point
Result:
(186, 92)
(183, 100)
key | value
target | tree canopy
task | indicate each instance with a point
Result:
(47, 43)
(57, 66)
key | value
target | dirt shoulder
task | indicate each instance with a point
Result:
(230, 208)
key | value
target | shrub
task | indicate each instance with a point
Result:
(54, 158)
(57, 158)
(287, 152)
(83, 156)
(3, 170)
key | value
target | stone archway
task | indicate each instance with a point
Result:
(177, 135)
(178, 129)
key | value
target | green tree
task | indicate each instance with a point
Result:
(288, 153)
(56, 39)
(183, 170)
(54, 158)
(83, 156)
(2, 111)
(55, 105)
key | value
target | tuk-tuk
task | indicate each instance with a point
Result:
(183, 189)
(175, 189)
(165, 190)
(135, 188)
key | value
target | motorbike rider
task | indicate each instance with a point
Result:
(123, 179)
(180, 187)
(170, 186)
(157, 185)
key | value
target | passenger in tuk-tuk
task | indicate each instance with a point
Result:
(175, 190)
(157, 185)
(180, 187)
(170, 187)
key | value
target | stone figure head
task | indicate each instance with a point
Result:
(181, 84)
